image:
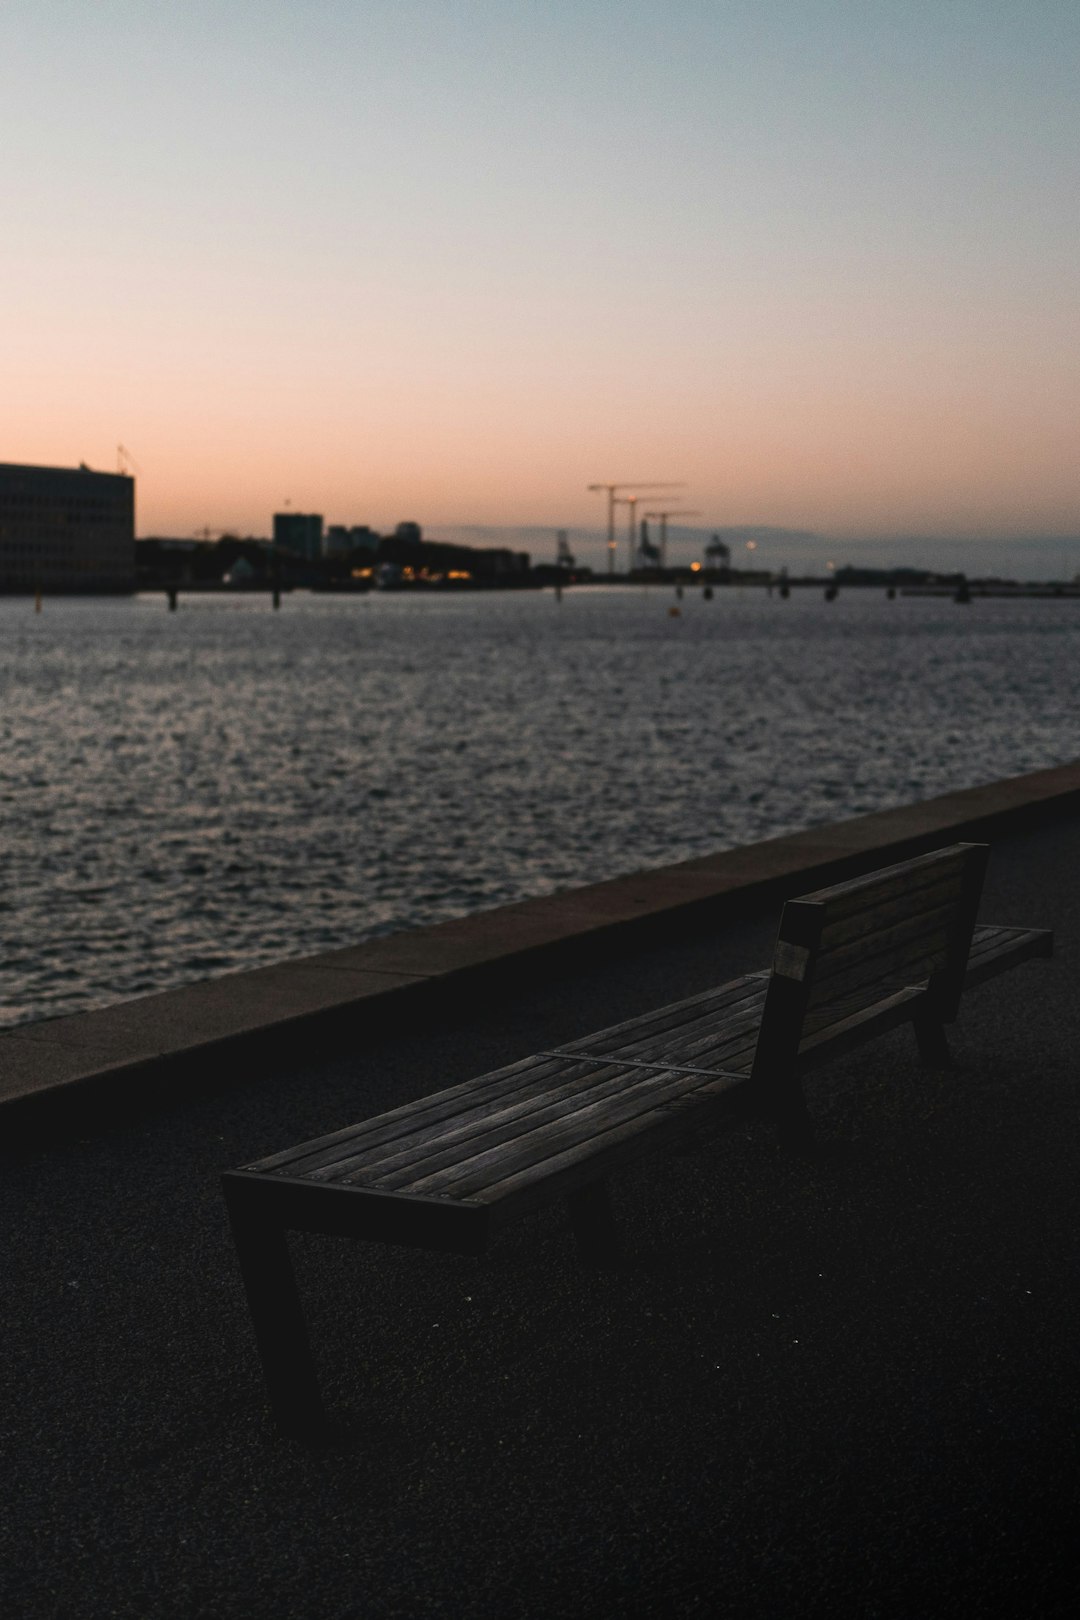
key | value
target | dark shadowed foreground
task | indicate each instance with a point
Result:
(808, 1390)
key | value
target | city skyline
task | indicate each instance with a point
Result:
(456, 263)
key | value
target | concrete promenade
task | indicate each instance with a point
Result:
(846, 1387)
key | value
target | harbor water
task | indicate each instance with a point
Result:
(185, 794)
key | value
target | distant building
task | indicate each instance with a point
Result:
(66, 529)
(299, 532)
(435, 561)
(342, 541)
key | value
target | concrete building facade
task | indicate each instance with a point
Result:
(66, 529)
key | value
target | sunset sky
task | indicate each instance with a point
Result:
(453, 260)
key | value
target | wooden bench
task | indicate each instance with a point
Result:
(446, 1171)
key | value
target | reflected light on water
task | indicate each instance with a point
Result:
(184, 794)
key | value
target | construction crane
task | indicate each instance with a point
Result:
(662, 518)
(631, 501)
(646, 489)
(125, 461)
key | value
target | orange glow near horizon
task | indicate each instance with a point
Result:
(849, 303)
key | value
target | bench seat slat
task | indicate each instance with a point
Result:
(725, 1045)
(716, 1028)
(515, 1133)
(694, 1011)
(533, 1183)
(993, 950)
(428, 1110)
(578, 1084)
(702, 1039)
(638, 1105)
(472, 1099)
(569, 1112)
(387, 1159)
(747, 989)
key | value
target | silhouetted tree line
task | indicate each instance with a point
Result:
(164, 562)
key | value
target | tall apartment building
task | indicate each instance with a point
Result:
(66, 529)
(299, 532)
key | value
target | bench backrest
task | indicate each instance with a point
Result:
(906, 925)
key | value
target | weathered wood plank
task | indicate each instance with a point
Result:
(567, 1119)
(416, 1115)
(854, 925)
(704, 1038)
(675, 1014)
(639, 1099)
(877, 944)
(904, 879)
(883, 1013)
(994, 950)
(563, 1076)
(911, 965)
(831, 1012)
(597, 1090)
(675, 1118)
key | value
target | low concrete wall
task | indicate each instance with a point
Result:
(207, 1032)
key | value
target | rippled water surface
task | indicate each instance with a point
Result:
(183, 794)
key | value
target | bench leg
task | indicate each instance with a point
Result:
(933, 1043)
(594, 1225)
(278, 1320)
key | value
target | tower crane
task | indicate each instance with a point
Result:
(662, 517)
(645, 490)
(630, 502)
